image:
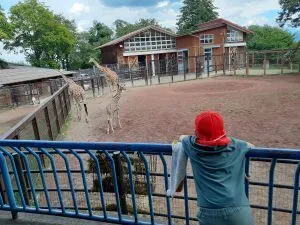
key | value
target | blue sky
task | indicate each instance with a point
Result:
(243, 12)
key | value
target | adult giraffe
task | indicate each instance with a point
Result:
(111, 77)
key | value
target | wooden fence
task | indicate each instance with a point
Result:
(46, 121)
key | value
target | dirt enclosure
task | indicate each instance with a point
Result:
(262, 110)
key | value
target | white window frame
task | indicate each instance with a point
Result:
(149, 41)
(206, 38)
(234, 35)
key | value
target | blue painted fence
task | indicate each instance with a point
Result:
(52, 178)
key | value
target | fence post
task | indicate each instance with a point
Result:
(184, 75)
(281, 66)
(224, 73)
(234, 64)
(93, 86)
(82, 83)
(216, 66)
(56, 115)
(131, 77)
(120, 182)
(97, 79)
(247, 64)
(102, 84)
(265, 62)
(207, 65)
(51, 87)
(158, 77)
(48, 123)
(253, 59)
(65, 101)
(17, 160)
(146, 75)
(8, 187)
(37, 137)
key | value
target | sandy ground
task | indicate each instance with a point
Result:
(262, 110)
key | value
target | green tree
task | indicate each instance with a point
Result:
(267, 37)
(194, 12)
(123, 27)
(97, 35)
(46, 39)
(290, 13)
(5, 30)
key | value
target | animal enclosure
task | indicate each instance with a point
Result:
(261, 110)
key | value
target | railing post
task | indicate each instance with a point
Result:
(224, 55)
(21, 177)
(102, 84)
(120, 182)
(8, 187)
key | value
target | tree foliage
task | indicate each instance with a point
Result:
(97, 35)
(46, 39)
(194, 12)
(123, 27)
(5, 30)
(290, 13)
(268, 37)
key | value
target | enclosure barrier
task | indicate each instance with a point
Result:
(46, 121)
(64, 186)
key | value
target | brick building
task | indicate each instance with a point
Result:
(217, 37)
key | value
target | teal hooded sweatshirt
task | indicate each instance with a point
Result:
(219, 173)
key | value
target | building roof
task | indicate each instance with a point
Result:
(219, 23)
(21, 74)
(127, 36)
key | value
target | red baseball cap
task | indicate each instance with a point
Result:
(209, 129)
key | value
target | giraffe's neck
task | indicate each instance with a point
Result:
(101, 68)
(117, 96)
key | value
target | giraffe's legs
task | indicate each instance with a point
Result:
(79, 110)
(118, 115)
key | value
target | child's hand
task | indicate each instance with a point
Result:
(250, 145)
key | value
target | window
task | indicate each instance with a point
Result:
(206, 38)
(234, 35)
(152, 40)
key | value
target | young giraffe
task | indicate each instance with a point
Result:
(112, 109)
(111, 77)
(78, 96)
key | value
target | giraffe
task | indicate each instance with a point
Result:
(112, 108)
(111, 77)
(78, 96)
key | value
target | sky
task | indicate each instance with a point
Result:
(242, 12)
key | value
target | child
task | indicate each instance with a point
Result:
(218, 164)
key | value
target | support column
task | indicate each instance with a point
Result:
(153, 65)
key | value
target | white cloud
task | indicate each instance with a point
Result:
(162, 4)
(79, 8)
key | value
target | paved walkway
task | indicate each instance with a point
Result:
(35, 219)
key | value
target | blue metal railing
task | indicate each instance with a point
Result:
(53, 178)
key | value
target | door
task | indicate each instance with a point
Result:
(208, 57)
(182, 57)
